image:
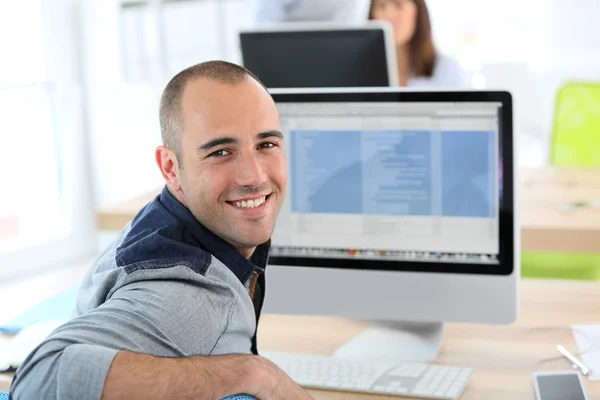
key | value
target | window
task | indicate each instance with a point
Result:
(46, 213)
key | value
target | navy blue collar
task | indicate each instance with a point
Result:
(237, 263)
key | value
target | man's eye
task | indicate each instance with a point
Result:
(219, 153)
(267, 145)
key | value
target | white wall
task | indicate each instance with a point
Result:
(123, 122)
(123, 97)
(528, 47)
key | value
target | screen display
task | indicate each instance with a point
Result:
(391, 181)
(320, 58)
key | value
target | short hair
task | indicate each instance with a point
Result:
(170, 102)
(422, 49)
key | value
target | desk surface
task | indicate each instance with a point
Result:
(503, 357)
(545, 227)
(543, 192)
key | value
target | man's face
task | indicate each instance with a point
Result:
(233, 170)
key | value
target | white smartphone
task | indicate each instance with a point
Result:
(559, 385)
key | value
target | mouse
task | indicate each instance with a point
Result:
(27, 339)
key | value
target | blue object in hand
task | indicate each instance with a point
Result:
(4, 396)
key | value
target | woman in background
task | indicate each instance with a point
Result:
(418, 62)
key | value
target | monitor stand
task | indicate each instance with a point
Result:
(395, 341)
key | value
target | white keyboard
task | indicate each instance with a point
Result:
(400, 379)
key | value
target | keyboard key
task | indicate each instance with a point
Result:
(326, 372)
(455, 387)
(422, 392)
(362, 386)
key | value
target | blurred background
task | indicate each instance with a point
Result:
(80, 82)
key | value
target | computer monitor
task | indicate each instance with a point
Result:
(400, 209)
(317, 54)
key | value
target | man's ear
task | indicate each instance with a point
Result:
(169, 167)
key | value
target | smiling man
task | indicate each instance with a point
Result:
(170, 309)
(229, 166)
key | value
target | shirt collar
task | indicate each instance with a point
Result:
(238, 264)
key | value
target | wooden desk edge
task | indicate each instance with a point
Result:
(112, 221)
(557, 240)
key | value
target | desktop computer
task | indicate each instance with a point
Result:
(317, 54)
(400, 210)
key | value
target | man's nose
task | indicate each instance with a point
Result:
(250, 171)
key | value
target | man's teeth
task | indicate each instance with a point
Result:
(251, 203)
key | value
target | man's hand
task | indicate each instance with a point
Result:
(274, 384)
(139, 376)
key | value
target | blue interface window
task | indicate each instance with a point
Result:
(394, 172)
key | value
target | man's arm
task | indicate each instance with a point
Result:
(138, 376)
(173, 314)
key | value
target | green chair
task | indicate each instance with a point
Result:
(575, 142)
(576, 133)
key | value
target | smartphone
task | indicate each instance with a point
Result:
(559, 385)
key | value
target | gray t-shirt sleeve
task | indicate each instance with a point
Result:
(172, 312)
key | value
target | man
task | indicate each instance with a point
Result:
(170, 309)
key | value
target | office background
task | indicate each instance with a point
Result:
(79, 87)
(80, 82)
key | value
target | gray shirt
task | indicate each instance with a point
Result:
(167, 287)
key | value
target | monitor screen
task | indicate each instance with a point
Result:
(394, 185)
(323, 57)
